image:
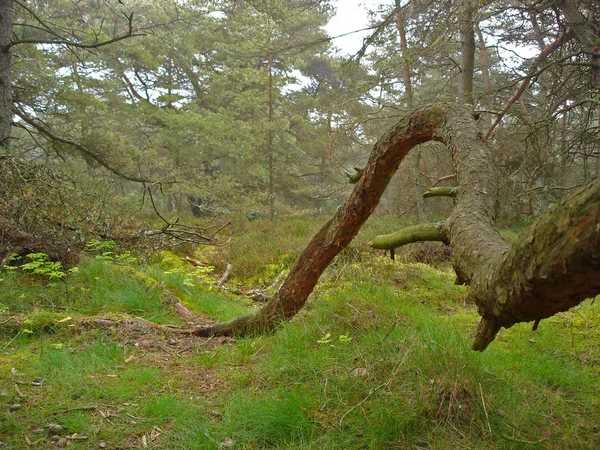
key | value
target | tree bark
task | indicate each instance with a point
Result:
(408, 95)
(5, 71)
(270, 155)
(401, 26)
(485, 75)
(467, 52)
(552, 267)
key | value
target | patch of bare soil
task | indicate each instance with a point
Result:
(169, 348)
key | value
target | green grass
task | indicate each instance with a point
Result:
(379, 358)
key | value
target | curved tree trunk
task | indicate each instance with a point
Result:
(525, 282)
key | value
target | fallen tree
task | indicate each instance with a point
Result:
(552, 267)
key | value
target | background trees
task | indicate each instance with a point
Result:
(236, 106)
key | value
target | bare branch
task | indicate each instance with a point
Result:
(50, 135)
(72, 43)
(183, 233)
(530, 74)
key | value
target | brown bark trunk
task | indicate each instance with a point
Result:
(554, 266)
(401, 26)
(408, 95)
(341, 229)
(485, 75)
(5, 71)
(467, 52)
(270, 140)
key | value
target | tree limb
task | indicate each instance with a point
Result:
(50, 135)
(530, 74)
(408, 235)
(71, 43)
(440, 192)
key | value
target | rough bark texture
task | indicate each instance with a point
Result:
(553, 266)
(485, 75)
(5, 68)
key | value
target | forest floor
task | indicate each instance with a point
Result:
(380, 357)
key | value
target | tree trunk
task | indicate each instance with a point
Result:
(485, 75)
(552, 267)
(270, 155)
(417, 185)
(408, 95)
(400, 25)
(467, 52)
(5, 69)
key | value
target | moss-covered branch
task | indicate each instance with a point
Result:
(440, 192)
(408, 235)
(353, 178)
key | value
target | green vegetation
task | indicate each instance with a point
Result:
(380, 358)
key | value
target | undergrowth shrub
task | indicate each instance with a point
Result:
(430, 253)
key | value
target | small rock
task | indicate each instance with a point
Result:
(360, 372)
(55, 438)
(172, 342)
(62, 442)
(54, 428)
(227, 443)
(101, 444)
(15, 407)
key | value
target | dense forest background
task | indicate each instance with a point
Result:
(244, 107)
